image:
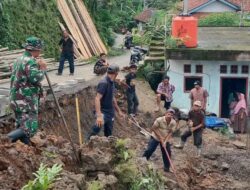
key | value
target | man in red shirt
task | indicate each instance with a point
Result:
(165, 92)
(199, 94)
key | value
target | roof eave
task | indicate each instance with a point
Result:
(196, 9)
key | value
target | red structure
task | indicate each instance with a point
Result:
(186, 28)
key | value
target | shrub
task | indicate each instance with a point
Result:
(44, 178)
(22, 18)
(95, 185)
(220, 19)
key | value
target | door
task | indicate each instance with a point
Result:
(231, 86)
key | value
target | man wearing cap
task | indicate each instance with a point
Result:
(105, 103)
(199, 94)
(165, 92)
(28, 71)
(132, 98)
(162, 130)
(196, 124)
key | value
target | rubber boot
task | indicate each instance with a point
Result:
(18, 134)
(180, 145)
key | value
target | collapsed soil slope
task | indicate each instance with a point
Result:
(222, 165)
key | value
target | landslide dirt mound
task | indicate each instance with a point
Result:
(222, 165)
(19, 161)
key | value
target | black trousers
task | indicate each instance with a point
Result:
(63, 58)
(132, 102)
(197, 137)
(152, 145)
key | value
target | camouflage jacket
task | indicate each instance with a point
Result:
(25, 83)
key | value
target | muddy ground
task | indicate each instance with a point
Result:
(223, 165)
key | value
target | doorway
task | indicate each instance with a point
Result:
(229, 86)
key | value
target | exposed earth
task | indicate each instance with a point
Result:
(224, 164)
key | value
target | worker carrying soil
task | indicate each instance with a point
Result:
(26, 91)
(162, 131)
(105, 103)
(132, 98)
(101, 65)
(195, 124)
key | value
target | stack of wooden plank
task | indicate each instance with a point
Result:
(7, 57)
(79, 23)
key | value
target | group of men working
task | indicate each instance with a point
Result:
(29, 71)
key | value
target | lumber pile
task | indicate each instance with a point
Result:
(83, 31)
(8, 57)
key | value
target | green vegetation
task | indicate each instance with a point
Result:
(44, 178)
(111, 15)
(223, 19)
(128, 173)
(95, 185)
(22, 18)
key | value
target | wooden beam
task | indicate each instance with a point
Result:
(85, 33)
(85, 17)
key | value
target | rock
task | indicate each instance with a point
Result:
(39, 140)
(108, 181)
(98, 154)
(214, 156)
(70, 181)
(102, 142)
(96, 160)
(225, 166)
(239, 145)
(12, 152)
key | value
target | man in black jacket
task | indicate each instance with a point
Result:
(67, 53)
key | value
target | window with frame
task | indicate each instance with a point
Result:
(245, 69)
(189, 82)
(234, 69)
(199, 68)
(187, 68)
(223, 69)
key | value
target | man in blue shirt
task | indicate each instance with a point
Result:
(105, 103)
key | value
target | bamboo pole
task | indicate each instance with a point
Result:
(78, 120)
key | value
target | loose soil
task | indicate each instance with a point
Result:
(221, 166)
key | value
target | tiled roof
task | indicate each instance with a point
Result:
(145, 15)
(196, 3)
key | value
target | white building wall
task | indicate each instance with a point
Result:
(216, 7)
(211, 81)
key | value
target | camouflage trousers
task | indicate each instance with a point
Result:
(27, 121)
(26, 113)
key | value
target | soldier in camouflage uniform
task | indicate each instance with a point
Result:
(26, 90)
